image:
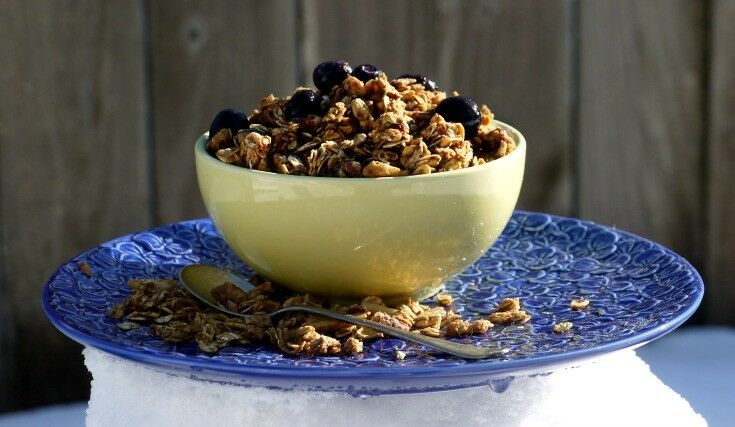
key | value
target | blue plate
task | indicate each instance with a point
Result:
(638, 291)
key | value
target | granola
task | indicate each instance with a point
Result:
(562, 327)
(360, 125)
(444, 300)
(85, 269)
(579, 303)
(171, 313)
(509, 311)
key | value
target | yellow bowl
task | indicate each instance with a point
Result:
(346, 238)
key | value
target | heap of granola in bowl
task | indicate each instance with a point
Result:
(360, 123)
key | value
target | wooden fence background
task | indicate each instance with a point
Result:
(627, 107)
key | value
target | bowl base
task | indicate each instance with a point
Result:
(395, 299)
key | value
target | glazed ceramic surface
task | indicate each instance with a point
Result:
(637, 289)
(347, 238)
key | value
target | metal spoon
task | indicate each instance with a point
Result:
(200, 279)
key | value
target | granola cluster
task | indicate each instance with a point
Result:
(172, 314)
(563, 327)
(509, 311)
(579, 303)
(373, 128)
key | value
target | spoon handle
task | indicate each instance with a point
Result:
(466, 351)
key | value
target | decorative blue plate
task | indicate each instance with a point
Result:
(638, 291)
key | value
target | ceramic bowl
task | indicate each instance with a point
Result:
(346, 238)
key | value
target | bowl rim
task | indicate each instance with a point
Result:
(201, 153)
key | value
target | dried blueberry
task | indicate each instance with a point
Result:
(302, 103)
(460, 109)
(425, 81)
(229, 118)
(329, 74)
(366, 72)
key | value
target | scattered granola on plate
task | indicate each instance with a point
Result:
(85, 269)
(562, 327)
(509, 311)
(175, 316)
(445, 300)
(360, 123)
(579, 303)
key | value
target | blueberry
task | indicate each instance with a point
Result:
(366, 72)
(229, 118)
(425, 81)
(460, 109)
(302, 103)
(329, 74)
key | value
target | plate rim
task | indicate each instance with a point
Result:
(479, 367)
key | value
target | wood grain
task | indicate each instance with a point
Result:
(397, 42)
(72, 170)
(721, 250)
(641, 119)
(515, 56)
(210, 55)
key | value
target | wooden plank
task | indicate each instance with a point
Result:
(362, 32)
(530, 90)
(73, 169)
(209, 55)
(641, 119)
(721, 253)
(515, 56)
